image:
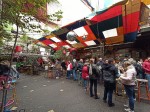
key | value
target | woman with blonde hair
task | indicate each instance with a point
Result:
(128, 79)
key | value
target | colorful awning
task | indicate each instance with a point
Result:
(118, 24)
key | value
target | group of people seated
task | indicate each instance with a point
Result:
(107, 71)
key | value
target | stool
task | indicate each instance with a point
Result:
(139, 81)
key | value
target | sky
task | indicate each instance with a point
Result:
(73, 10)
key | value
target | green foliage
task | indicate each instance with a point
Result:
(21, 13)
(59, 54)
(4, 35)
(24, 38)
(56, 16)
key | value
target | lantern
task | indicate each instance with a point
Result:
(18, 49)
(71, 36)
(73, 51)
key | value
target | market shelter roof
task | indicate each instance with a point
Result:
(117, 24)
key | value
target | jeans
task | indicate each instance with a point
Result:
(85, 83)
(93, 81)
(68, 74)
(148, 78)
(130, 93)
(74, 74)
(109, 92)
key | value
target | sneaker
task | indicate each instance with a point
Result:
(96, 97)
(129, 110)
(134, 99)
(126, 105)
(85, 89)
(91, 95)
(111, 105)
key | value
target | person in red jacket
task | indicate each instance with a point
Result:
(146, 67)
(85, 74)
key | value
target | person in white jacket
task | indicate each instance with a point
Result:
(128, 80)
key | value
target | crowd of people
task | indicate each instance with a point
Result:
(89, 72)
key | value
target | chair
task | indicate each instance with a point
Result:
(9, 86)
(141, 96)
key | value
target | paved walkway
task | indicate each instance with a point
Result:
(39, 94)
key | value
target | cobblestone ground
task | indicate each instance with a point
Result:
(40, 94)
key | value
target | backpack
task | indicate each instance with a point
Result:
(138, 69)
(108, 76)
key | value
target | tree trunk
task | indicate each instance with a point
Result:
(4, 97)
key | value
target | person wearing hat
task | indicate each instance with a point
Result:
(128, 80)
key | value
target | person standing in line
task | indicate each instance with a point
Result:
(85, 75)
(128, 79)
(100, 65)
(63, 65)
(79, 71)
(93, 77)
(74, 65)
(110, 73)
(146, 67)
(142, 74)
(69, 70)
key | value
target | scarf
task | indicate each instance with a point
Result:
(90, 70)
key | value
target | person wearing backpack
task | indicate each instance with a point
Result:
(93, 77)
(110, 73)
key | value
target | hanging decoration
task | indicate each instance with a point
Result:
(18, 49)
(71, 36)
(73, 51)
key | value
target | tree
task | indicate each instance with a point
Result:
(21, 13)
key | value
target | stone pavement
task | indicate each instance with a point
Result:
(40, 94)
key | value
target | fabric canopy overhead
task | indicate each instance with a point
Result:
(146, 2)
(118, 24)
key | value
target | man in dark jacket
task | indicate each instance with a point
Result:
(93, 76)
(100, 64)
(79, 71)
(110, 73)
